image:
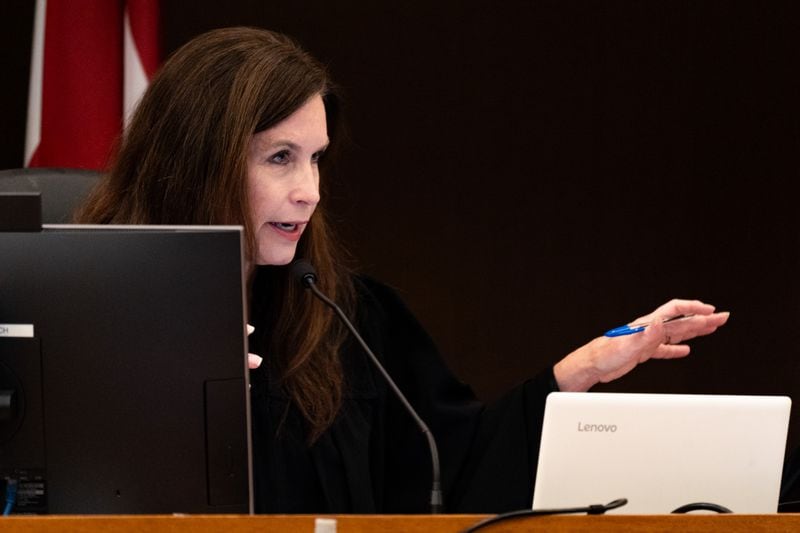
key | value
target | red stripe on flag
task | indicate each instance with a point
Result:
(36, 161)
(144, 17)
(82, 83)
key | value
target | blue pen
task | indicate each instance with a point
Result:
(636, 328)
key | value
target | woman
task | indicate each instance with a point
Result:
(232, 131)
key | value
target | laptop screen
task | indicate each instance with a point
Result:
(662, 451)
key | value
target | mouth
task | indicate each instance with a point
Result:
(289, 230)
(289, 227)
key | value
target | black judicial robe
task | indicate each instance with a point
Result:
(374, 459)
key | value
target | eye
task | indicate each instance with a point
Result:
(281, 158)
(317, 156)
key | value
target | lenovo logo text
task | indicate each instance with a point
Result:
(597, 428)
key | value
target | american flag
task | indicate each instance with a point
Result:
(91, 62)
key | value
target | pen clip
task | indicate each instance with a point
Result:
(624, 330)
(636, 328)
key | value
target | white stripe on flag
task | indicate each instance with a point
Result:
(134, 80)
(34, 125)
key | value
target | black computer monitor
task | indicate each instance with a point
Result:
(123, 370)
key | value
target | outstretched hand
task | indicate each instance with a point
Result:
(607, 358)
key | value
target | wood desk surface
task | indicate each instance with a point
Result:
(731, 523)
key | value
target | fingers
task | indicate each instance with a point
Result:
(687, 307)
(671, 351)
(695, 326)
(671, 334)
(677, 307)
(665, 339)
(253, 361)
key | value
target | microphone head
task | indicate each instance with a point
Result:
(303, 272)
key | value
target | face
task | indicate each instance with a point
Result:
(283, 180)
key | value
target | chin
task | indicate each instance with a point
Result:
(274, 262)
(275, 252)
(275, 259)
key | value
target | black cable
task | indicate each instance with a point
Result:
(590, 509)
(702, 506)
(309, 280)
(788, 504)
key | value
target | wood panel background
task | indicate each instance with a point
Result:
(531, 173)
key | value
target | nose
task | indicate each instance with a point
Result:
(306, 190)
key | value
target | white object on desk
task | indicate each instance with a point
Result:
(325, 525)
(662, 451)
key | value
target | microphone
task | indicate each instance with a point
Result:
(305, 273)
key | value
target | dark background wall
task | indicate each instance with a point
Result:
(531, 173)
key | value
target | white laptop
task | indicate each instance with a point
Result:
(662, 451)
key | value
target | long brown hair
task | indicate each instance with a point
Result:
(183, 161)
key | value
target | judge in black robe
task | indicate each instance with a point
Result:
(374, 458)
